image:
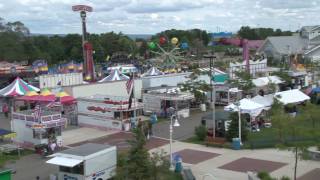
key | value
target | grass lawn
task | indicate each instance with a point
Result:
(13, 156)
(269, 137)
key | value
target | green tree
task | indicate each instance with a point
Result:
(243, 81)
(201, 132)
(197, 87)
(233, 130)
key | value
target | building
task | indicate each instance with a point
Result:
(107, 112)
(256, 67)
(161, 99)
(306, 44)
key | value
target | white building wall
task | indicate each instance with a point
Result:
(114, 88)
(99, 122)
(168, 79)
(52, 80)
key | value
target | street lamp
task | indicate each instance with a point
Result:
(213, 92)
(175, 124)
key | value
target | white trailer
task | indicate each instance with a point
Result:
(86, 162)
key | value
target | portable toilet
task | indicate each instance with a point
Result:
(5, 174)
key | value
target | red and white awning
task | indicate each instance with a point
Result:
(17, 87)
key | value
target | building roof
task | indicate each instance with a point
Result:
(309, 28)
(85, 149)
(288, 44)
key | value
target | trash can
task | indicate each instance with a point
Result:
(236, 145)
(178, 163)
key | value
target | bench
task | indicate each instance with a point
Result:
(188, 175)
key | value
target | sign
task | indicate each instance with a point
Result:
(81, 8)
(68, 177)
(38, 126)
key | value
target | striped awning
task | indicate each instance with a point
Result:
(17, 87)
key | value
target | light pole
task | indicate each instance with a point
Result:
(239, 114)
(175, 124)
(213, 92)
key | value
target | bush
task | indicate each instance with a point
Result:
(264, 176)
(201, 132)
(234, 128)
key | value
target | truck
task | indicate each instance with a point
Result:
(86, 162)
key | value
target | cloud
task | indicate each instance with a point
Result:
(147, 6)
(149, 16)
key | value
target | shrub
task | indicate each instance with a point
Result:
(201, 132)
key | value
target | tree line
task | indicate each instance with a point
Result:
(18, 44)
(247, 32)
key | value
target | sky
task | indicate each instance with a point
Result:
(152, 16)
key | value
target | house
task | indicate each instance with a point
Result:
(306, 44)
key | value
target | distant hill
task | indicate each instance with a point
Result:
(131, 36)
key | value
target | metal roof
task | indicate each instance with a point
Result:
(85, 149)
(288, 44)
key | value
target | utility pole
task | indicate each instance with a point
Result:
(213, 92)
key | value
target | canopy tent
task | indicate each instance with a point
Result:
(315, 90)
(17, 87)
(6, 134)
(264, 81)
(115, 76)
(291, 96)
(266, 100)
(246, 106)
(153, 72)
(65, 98)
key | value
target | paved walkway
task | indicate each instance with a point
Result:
(280, 163)
(83, 134)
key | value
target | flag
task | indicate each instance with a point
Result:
(129, 86)
(37, 112)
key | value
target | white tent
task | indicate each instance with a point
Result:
(264, 81)
(291, 96)
(153, 72)
(266, 100)
(115, 75)
(246, 106)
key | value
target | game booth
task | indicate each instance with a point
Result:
(40, 118)
(108, 112)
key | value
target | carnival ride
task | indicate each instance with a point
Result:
(89, 70)
(246, 45)
(171, 54)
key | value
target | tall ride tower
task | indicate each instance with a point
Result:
(88, 64)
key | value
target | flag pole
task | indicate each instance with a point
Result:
(134, 100)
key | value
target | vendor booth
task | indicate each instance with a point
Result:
(107, 112)
(34, 127)
(160, 99)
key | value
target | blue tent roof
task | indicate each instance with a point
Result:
(316, 90)
(4, 132)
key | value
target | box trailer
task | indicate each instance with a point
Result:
(86, 162)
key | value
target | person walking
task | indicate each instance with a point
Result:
(5, 110)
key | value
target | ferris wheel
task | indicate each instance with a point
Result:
(171, 54)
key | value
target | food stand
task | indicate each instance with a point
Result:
(38, 129)
(107, 112)
(160, 99)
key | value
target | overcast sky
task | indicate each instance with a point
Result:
(152, 16)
